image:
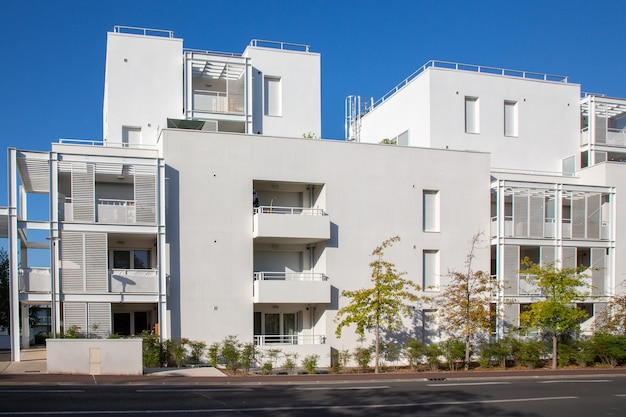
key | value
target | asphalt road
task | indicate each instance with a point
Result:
(571, 396)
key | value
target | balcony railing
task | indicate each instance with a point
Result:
(116, 211)
(291, 339)
(289, 276)
(527, 285)
(34, 280)
(133, 281)
(549, 229)
(217, 102)
(289, 210)
(607, 137)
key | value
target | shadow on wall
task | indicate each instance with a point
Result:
(333, 242)
(172, 238)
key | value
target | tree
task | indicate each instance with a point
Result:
(382, 306)
(557, 313)
(465, 302)
(613, 319)
(5, 288)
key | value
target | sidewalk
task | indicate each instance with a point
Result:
(34, 362)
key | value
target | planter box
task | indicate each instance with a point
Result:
(94, 356)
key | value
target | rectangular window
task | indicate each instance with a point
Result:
(431, 210)
(273, 96)
(131, 259)
(510, 119)
(130, 135)
(431, 270)
(472, 116)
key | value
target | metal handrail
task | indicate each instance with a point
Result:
(208, 52)
(465, 67)
(289, 339)
(289, 276)
(91, 142)
(143, 31)
(289, 210)
(280, 45)
(115, 202)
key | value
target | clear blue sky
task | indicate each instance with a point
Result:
(52, 52)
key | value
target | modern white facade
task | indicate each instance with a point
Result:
(204, 213)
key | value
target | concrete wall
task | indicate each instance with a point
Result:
(94, 356)
(143, 85)
(372, 192)
(300, 77)
(432, 108)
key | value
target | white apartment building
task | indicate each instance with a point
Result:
(204, 213)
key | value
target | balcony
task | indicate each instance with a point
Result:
(607, 137)
(133, 281)
(290, 225)
(116, 211)
(205, 101)
(291, 287)
(289, 339)
(34, 280)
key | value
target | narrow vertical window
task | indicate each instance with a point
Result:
(131, 135)
(273, 96)
(510, 119)
(431, 270)
(472, 116)
(431, 210)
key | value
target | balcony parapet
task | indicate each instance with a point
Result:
(35, 280)
(134, 281)
(291, 287)
(291, 224)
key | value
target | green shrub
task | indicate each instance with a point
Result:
(310, 363)
(567, 354)
(454, 352)
(154, 353)
(432, 352)
(585, 354)
(197, 349)
(72, 332)
(248, 357)
(413, 351)
(231, 353)
(213, 354)
(176, 350)
(362, 356)
(609, 348)
(529, 352)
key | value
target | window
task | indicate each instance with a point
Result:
(131, 259)
(431, 210)
(472, 116)
(510, 119)
(273, 96)
(431, 270)
(130, 135)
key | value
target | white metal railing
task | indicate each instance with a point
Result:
(289, 276)
(90, 142)
(116, 211)
(208, 52)
(143, 31)
(280, 45)
(289, 339)
(613, 137)
(289, 210)
(217, 102)
(466, 67)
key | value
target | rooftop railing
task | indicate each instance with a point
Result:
(280, 45)
(465, 67)
(108, 144)
(144, 31)
(208, 52)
